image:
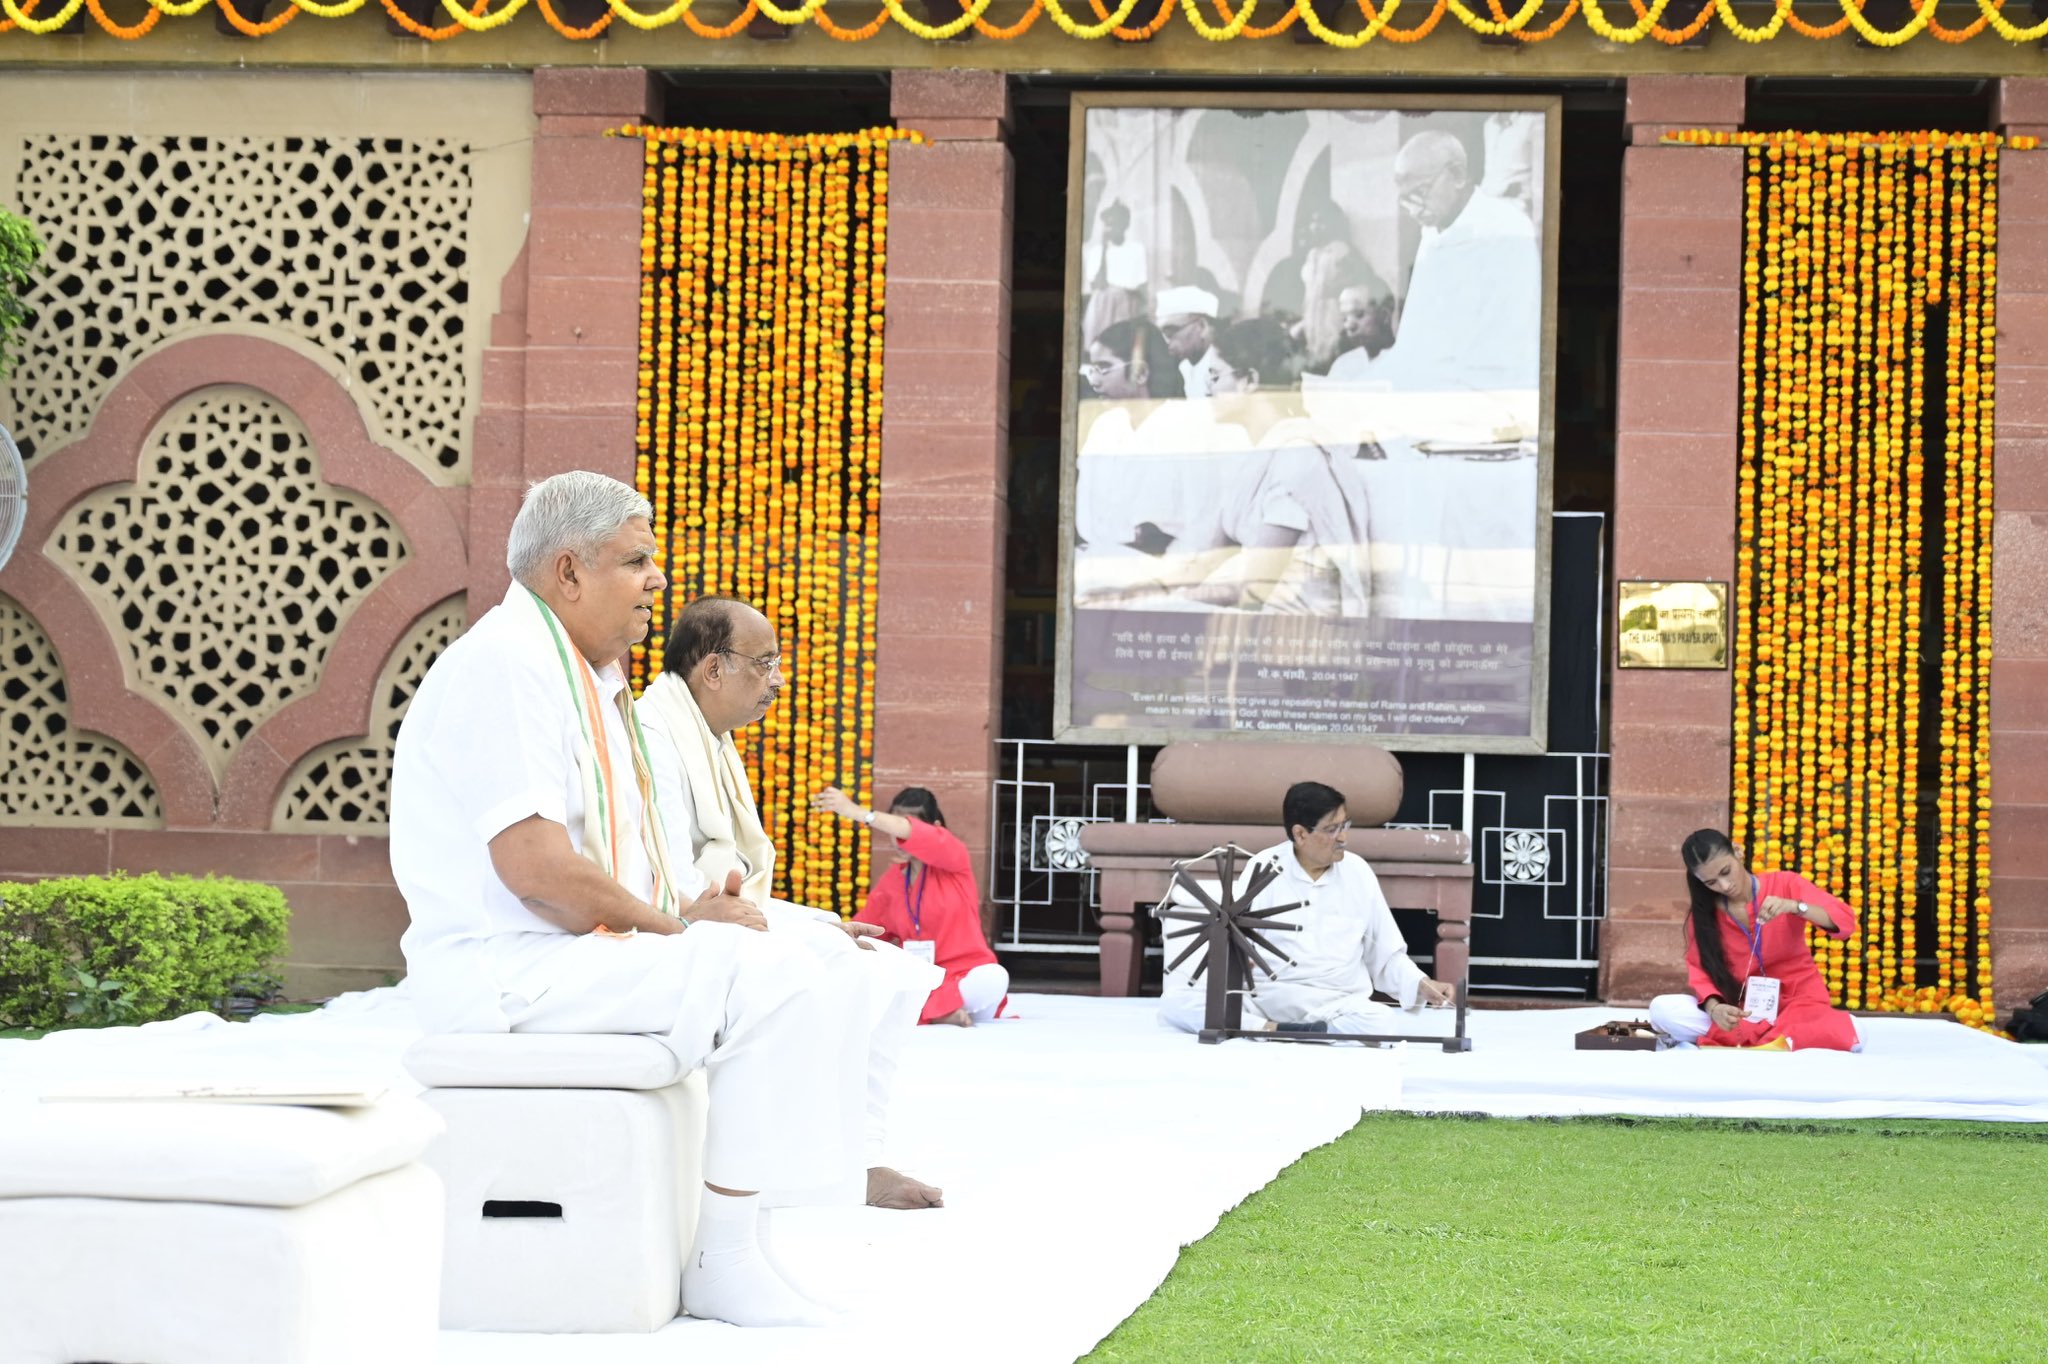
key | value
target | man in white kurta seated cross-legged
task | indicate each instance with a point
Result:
(527, 841)
(721, 671)
(1347, 946)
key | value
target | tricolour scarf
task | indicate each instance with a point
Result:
(597, 765)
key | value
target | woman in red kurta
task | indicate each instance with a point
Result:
(927, 901)
(1745, 925)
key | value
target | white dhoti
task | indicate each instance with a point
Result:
(705, 799)
(764, 1018)
(893, 989)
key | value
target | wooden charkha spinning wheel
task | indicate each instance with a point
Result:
(1231, 938)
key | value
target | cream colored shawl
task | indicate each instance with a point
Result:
(599, 767)
(728, 822)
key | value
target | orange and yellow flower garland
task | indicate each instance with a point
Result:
(1115, 19)
(1863, 254)
(759, 443)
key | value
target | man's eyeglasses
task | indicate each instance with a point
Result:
(1333, 829)
(767, 663)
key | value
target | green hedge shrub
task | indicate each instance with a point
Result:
(172, 943)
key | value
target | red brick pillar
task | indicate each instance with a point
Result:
(2019, 565)
(1678, 407)
(562, 372)
(945, 447)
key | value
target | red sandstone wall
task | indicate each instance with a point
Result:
(1679, 403)
(945, 447)
(2019, 617)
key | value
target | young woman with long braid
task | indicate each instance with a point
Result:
(1747, 926)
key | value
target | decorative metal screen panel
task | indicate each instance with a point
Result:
(55, 773)
(358, 247)
(226, 571)
(347, 783)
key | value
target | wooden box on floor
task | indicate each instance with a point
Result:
(1617, 1035)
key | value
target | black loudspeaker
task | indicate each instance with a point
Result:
(2031, 1023)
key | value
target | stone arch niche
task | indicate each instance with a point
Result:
(227, 566)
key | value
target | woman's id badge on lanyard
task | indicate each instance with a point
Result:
(1760, 999)
(923, 949)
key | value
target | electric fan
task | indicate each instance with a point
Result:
(13, 495)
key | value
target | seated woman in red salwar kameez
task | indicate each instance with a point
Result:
(927, 901)
(1746, 925)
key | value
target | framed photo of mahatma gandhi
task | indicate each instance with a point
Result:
(1307, 440)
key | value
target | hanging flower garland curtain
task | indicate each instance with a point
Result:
(1863, 257)
(1120, 20)
(760, 439)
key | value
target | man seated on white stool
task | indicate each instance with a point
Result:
(1347, 945)
(721, 671)
(528, 845)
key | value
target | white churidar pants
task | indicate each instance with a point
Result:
(1679, 1017)
(1184, 1009)
(982, 990)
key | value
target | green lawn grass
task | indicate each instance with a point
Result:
(1416, 1238)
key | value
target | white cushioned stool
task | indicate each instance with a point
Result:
(209, 1233)
(573, 1163)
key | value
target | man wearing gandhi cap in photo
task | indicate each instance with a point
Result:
(1187, 319)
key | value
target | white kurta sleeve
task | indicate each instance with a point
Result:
(678, 811)
(503, 747)
(1385, 950)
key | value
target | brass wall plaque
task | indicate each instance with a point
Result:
(1673, 625)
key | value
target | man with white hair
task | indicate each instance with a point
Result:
(528, 844)
(1186, 317)
(721, 671)
(1473, 314)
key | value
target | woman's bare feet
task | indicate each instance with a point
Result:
(959, 1018)
(889, 1188)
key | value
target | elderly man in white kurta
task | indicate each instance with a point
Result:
(722, 670)
(1347, 946)
(1473, 314)
(527, 842)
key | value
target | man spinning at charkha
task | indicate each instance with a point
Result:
(528, 843)
(1346, 946)
(722, 670)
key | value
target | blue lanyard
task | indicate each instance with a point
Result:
(1753, 930)
(916, 907)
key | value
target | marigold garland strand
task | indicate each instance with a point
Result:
(1112, 20)
(1864, 257)
(758, 430)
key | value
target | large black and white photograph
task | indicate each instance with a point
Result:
(1307, 439)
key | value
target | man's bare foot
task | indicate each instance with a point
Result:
(888, 1188)
(959, 1018)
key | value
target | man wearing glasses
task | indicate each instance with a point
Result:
(1347, 945)
(1186, 317)
(1473, 314)
(721, 671)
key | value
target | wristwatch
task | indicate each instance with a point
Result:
(868, 819)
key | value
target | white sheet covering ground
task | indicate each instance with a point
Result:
(1522, 1064)
(1082, 1145)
